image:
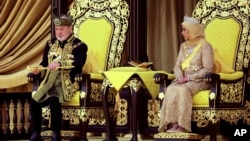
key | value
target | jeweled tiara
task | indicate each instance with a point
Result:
(190, 20)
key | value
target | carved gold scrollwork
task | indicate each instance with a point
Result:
(64, 133)
(70, 114)
(81, 10)
(203, 116)
(96, 115)
(238, 10)
(122, 118)
(95, 95)
(247, 115)
(46, 113)
(153, 113)
(134, 84)
(231, 93)
(232, 116)
(83, 115)
(105, 84)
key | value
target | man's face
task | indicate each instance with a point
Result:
(63, 32)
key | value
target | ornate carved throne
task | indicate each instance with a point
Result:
(102, 25)
(227, 29)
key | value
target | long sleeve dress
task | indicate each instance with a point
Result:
(177, 104)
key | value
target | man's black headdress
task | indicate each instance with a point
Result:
(62, 19)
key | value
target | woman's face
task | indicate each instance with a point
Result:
(185, 33)
(63, 32)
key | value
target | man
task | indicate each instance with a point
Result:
(63, 58)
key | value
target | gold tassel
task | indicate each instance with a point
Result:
(117, 101)
(154, 106)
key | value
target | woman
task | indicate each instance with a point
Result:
(195, 59)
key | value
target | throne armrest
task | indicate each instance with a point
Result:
(230, 77)
(34, 79)
(163, 80)
(216, 79)
(31, 77)
(80, 77)
(160, 78)
(85, 80)
(212, 77)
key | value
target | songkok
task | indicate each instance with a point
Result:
(63, 20)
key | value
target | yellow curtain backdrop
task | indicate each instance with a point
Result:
(25, 29)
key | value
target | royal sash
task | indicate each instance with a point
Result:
(186, 63)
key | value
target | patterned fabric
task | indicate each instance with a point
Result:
(177, 104)
(71, 52)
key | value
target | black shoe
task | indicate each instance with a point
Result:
(36, 136)
(56, 136)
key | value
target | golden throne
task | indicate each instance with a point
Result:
(227, 28)
(102, 25)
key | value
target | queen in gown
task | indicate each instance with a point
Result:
(195, 59)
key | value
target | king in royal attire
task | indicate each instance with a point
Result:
(63, 58)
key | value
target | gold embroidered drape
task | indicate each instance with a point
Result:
(25, 28)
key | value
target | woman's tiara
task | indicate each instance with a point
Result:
(191, 20)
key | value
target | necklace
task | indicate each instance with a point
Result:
(190, 49)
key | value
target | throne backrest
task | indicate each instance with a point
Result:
(227, 29)
(102, 25)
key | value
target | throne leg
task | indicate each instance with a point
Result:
(110, 119)
(83, 130)
(213, 131)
